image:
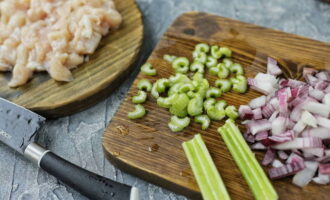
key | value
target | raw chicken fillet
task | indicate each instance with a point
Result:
(51, 35)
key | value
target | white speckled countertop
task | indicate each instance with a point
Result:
(78, 137)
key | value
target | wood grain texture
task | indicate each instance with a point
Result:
(147, 148)
(93, 80)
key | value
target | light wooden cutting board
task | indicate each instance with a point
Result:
(148, 149)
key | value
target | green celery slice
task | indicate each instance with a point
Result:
(253, 173)
(206, 174)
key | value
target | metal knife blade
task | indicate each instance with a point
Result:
(18, 126)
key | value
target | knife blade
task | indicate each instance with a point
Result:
(19, 128)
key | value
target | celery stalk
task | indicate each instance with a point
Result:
(206, 174)
(253, 173)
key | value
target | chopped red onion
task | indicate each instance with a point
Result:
(264, 83)
(308, 119)
(283, 137)
(324, 75)
(293, 116)
(276, 163)
(278, 125)
(245, 112)
(289, 124)
(257, 126)
(267, 142)
(324, 159)
(258, 146)
(261, 136)
(317, 108)
(272, 67)
(291, 83)
(299, 127)
(310, 79)
(324, 122)
(248, 137)
(286, 170)
(282, 155)
(321, 85)
(319, 132)
(257, 113)
(324, 168)
(322, 179)
(300, 143)
(273, 116)
(327, 152)
(294, 157)
(319, 152)
(326, 99)
(303, 177)
(283, 98)
(258, 102)
(327, 90)
(268, 110)
(269, 157)
(315, 93)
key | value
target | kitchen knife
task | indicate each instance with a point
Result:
(18, 129)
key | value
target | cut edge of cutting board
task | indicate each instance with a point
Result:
(90, 84)
(182, 32)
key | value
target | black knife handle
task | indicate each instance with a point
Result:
(87, 183)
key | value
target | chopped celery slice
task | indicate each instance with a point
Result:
(203, 167)
(253, 173)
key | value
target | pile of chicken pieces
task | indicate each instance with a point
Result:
(51, 35)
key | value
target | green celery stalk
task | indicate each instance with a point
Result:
(256, 178)
(205, 172)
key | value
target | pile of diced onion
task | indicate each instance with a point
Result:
(290, 121)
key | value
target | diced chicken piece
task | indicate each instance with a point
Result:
(57, 70)
(21, 74)
(74, 60)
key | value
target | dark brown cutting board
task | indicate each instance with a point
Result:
(148, 149)
(93, 80)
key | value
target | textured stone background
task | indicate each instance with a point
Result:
(77, 137)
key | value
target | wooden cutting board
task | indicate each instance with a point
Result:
(148, 149)
(93, 80)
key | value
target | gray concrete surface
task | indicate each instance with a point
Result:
(78, 137)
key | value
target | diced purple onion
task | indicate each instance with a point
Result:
(261, 136)
(324, 75)
(245, 112)
(269, 157)
(257, 102)
(322, 179)
(317, 108)
(324, 122)
(294, 116)
(300, 143)
(276, 163)
(272, 67)
(303, 177)
(282, 155)
(258, 146)
(257, 126)
(321, 85)
(257, 113)
(319, 132)
(278, 125)
(286, 170)
(324, 168)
